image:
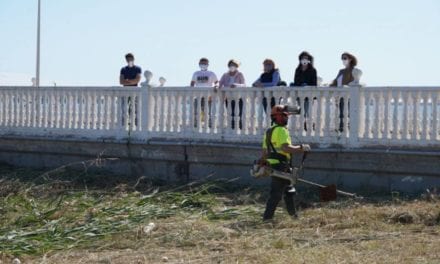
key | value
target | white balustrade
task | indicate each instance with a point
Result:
(351, 117)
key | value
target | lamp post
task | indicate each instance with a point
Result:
(37, 73)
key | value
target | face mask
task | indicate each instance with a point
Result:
(203, 67)
(305, 62)
(130, 64)
(268, 68)
(232, 68)
(345, 62)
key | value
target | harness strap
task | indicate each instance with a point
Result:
(269, 145)
(273, 153)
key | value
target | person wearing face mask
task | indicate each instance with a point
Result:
(305, 75)
(231, 79)
(203, 78)
(269, 78)
(130, 75)
(349, 76)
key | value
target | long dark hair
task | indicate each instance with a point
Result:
(305, 54)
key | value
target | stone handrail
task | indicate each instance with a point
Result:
(350, 117)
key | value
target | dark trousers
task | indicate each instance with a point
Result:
(202, 107)
(272, 104)
(240, 110)
(129, 105)
(278, 188)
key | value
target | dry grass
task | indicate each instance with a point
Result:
(200, 224)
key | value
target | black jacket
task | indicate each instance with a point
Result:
(305, 78)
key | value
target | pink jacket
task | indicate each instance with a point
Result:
(238, 80)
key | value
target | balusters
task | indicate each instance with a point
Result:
(376, 124)
(115, 108)
(405, 120)
(406, 116)
(387, 114)
(395, 95)
(75, 109)
(20, 114)
(367, 131)
(435, 128)
(2, 109)
(244, 119)
(185, 108)
(221, 111)
(14, 110)
(53, 101)
(6, 113)
(59, 104)
(176, 112)
(99, 111)
(336, 113)
(207, 110)
(155, 95)
(214, 115)
(169, 100)
(106, 115)
(92, 116)
(252, 112)
(425, 124)
(200, 111)
(416, 103)
(319, 117)
(235, 124)
(191, 113)
(328, 102)
(133, 112)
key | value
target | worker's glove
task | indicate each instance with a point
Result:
(258, 171)
(306, 147)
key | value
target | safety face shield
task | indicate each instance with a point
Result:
(292, 109)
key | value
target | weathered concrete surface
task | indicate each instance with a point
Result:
(367, 170)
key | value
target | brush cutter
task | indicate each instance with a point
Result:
(327, 193)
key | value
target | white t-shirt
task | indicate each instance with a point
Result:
(204, 79)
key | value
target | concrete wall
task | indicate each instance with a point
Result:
(366, 170)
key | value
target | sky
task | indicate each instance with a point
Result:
(83, 42)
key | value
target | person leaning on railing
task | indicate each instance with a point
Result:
(231, 79)
(203, 78)
(348, 76)
(305, 75)
(130, 75)
(269, 78)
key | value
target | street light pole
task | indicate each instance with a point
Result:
(37, 74)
